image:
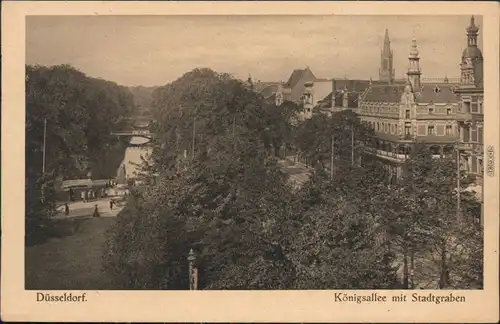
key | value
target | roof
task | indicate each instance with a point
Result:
(296, 76)
(437, 93)
(268, 90)
(472, 52)
(326, 102)
(385, 93)
(352, 85)
(261, 85)
(83, 183)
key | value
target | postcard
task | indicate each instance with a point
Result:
(250, 162)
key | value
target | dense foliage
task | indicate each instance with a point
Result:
(79, 113)
(224, 195)
(213, 184)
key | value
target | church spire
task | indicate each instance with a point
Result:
(386, 72)
(387, 44)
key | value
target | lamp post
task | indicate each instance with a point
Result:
(458, 183)
(44, 143)
(332, 156)
(194, 138)
(193, 271)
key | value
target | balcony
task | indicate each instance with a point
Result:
(465, 146)
(391, 156)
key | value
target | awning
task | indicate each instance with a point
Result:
(83, 183)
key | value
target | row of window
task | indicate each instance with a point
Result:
(393, 128)
(430, 110)
(383, 127)
(431, 130)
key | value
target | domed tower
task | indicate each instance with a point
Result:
(414, 66)
(386, 71)
(472, 60)
(471, 96)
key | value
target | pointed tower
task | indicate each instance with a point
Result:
(386, 71)
(472, 60)
(414, 67)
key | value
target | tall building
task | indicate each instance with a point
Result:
(441, 114)
(471, 98)
(386, 71)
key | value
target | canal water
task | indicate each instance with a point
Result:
(133, 155)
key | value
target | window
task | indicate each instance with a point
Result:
(407, 114)
(480, 135)
(474, 107)
(466, 106)
(407, 128)
(480, 106)
(448, 130)
(466, 134)
(448, 111)
(431, 111)
(473, 134)
(430, 130)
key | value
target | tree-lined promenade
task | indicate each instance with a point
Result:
(218, 182)
(214, 184)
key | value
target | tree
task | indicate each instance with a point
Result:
(214, 188)
(338, 240)
(79, 113)
(314, 138)
(422, 219)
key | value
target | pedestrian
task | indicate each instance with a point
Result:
(96, 212)
(66, 209)
(111, 204)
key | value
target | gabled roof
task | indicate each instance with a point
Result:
(296, 76)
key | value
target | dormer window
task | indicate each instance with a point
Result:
(431, 111)
(448, 111)
(437, 90)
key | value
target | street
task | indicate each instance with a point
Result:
(298, 172)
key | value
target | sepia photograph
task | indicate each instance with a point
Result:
(250, 162)
(257, 158)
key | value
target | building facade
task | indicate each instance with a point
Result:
(446, 116)
(471, 99)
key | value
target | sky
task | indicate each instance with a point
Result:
(156, 50)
